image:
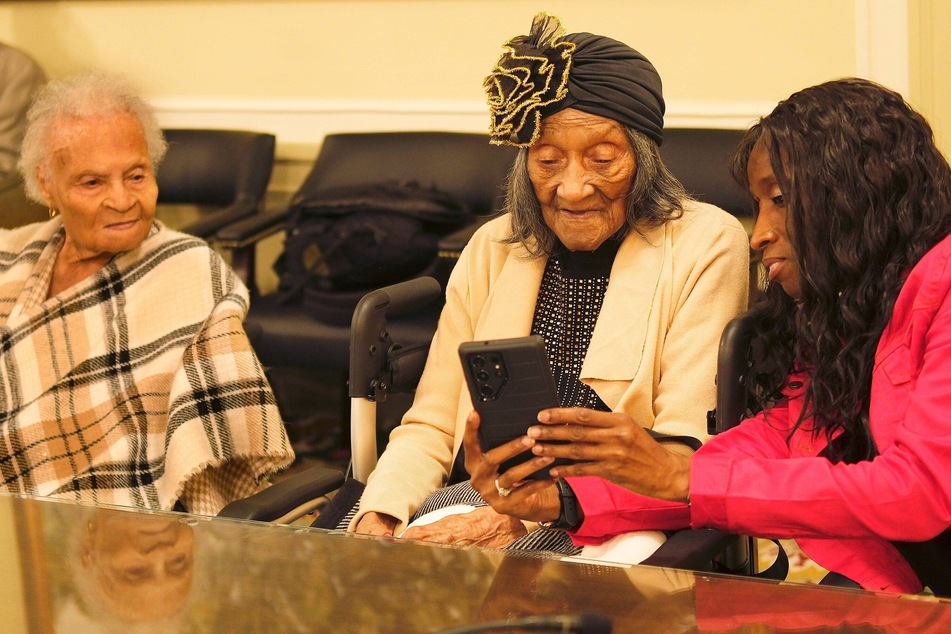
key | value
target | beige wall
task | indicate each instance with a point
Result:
(930, 56)
(430, 49)
(303, 68)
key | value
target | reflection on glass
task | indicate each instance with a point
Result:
(128, 572)
(101, 570)
(642, 600)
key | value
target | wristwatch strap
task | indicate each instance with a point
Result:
(570, 516)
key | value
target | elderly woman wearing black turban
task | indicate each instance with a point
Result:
(602, 253)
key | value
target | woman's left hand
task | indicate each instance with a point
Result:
(481, 527)
(612, 446)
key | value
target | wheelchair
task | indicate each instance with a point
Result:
(381, 367)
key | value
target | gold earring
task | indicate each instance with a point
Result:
(52, 213)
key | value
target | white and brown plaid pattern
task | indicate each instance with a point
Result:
(137, 386)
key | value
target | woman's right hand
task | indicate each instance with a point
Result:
(527, 499)
(374, 523)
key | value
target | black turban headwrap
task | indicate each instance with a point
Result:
(546, 71)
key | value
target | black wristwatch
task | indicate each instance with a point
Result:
(571, 514)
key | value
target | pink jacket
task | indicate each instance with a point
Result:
(749, 480)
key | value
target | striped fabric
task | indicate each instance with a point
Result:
(543, 540)
(137, 386)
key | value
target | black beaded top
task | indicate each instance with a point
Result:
(569, 302)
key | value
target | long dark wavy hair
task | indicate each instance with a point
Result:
(867, 194)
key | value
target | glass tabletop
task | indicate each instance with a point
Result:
(81, 568)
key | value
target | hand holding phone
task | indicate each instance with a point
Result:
(509, 381)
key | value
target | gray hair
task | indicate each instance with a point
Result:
(656, 197)
(90, 95)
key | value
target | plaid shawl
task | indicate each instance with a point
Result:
(137, 386)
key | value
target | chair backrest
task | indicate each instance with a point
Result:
(462, 164)
(465, 166)
(225, 171)
(700, 158)
(733, 365)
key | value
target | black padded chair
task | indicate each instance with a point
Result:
(211, 178)
(463, 165)
(700, 158)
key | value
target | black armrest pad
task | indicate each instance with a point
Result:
(286, 495)
(211, 222)
(690, 549)
(255, 226)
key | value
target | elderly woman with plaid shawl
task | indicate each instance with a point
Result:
(126, 376)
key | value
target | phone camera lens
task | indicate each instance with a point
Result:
(486, 391)
(482, 375)
(478, 362)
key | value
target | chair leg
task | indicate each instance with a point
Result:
(739, 557)
(313, 405)
(344, 412)
(243, 263)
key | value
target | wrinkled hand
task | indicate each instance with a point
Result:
(481, 527)
(532, 500)
(612, 446)
(374, 523)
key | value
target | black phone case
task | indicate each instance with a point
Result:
(509, 381)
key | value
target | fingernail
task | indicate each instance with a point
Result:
(528, 442)
(533, 432)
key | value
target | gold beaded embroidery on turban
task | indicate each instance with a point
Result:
(531, 73)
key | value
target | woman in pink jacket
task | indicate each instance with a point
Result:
(850, 451)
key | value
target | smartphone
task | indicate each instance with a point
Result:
(509, 381)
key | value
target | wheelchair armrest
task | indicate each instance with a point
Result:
(280, 500)
(247, 231)
(690, 549)
(240, 239)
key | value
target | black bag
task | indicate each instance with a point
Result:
(345, 241)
